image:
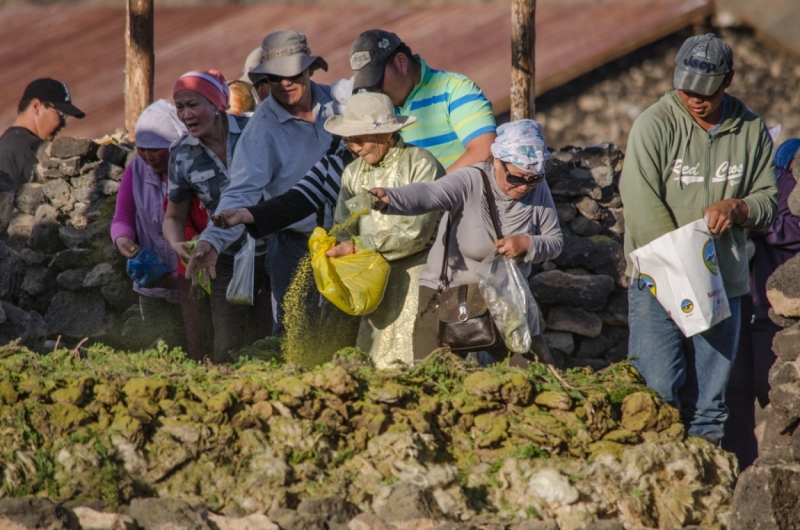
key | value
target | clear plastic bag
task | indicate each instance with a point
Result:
(510, 302)
(361, 203)
(240, 288)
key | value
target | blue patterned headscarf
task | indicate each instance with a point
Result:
(521, 143)
(786, 153)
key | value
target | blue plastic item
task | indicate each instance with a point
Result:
(146, 269)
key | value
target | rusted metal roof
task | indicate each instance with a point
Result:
(84, 47)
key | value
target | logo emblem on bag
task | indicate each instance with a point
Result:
(710, 257)
(647, 282)
(687, 306)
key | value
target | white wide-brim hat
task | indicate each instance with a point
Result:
(367, 113)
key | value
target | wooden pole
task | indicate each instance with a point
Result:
(523, 62)
(139, 61)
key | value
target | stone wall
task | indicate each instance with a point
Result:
(61, 276)
(67, 279)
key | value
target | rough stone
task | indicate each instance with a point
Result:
(785, 403)
(72, 279)
(603, 175)
(84, 182)
(113, 154)
(29, 197)
(71, 259)
(368, 521)
(59, 193)
(534, 524)
(76, 314)
(108, 187)
(45, 237)
(256, 521)
(614, 220)
(794, 202)
(333, 509)
(166, 514)
(119, 294)
(105, 170)
(584, 291)
(572, 319)
(18, 324)
(67, 147)
(615, 312)
(778, 320)
(70, 167)
(605, 525)
(566, 212)
(31, 513)
(102, 274)
(588, 208)
(560, 340)
(594, 348)
(783, 289)
(94, 520)
(786, 343)
(8, 271)
(783, 374)
(77, 238)
(291, 520)
(577, 182)
(599, 254)
(408, 501)
(39, 280)
(766, 498)
(585, 227)
(20, 226)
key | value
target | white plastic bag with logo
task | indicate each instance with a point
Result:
(680, 269)
(240, 288)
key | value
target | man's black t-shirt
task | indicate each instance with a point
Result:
(18, 154)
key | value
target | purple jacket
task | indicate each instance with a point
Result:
(139, 215)
(774, 246)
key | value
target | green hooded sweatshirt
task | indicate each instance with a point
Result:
(673, 171)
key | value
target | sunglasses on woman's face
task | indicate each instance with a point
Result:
(530, 181)
(280, 78)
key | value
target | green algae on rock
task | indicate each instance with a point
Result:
(260, 435)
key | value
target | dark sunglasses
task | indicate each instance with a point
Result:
(60, 114)
(279, 78)
(514, 180)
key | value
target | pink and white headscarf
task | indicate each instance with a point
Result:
(210, 83)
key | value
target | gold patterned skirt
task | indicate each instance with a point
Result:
(386, 332)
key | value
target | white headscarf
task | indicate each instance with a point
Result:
(521, 143)
(158, 126)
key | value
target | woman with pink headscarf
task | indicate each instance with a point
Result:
(198, 166)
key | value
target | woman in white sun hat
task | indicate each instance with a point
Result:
(370, 128)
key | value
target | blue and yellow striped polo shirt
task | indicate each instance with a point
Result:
(450, 109)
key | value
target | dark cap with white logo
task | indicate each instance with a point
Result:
(53, 92)
(368, 56)
(702, 64)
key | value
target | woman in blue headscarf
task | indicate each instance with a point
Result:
(749, 378)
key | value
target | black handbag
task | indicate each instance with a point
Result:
(465, 323)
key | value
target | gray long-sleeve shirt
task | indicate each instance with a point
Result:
(274, 152)
(472, 233)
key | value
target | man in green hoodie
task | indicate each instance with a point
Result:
(698, 152)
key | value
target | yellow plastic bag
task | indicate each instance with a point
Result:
(356, 283)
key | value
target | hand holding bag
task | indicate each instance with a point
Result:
(465, 323)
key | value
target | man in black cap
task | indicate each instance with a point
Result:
(455, 121)
(42, 112)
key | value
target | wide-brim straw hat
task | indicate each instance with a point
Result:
(367, 113)
(286, 54)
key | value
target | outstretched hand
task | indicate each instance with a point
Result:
(233, 217)
(383, 199)
(204, 259)
(126, 247)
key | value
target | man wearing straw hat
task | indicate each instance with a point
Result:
(283, 140)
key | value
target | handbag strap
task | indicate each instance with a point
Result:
(487, 190)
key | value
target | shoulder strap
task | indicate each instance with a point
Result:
(487, 189)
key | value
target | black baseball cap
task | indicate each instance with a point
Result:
(368, 56)
(55, 93)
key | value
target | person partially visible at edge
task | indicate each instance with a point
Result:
(749, 379)
(244, 98)
(370, 129)
(525, 212)
(260, 83)
(697, 152)
(41, 114)
(198, 166)
(281, 143)
(455, 121)
(137, 224)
